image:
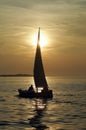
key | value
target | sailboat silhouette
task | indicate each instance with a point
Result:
(39, 75)
(41, 85)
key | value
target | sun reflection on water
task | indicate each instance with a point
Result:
(39, 106)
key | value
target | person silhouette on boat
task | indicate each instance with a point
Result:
(31, 89)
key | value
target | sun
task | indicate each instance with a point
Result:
(43, 40)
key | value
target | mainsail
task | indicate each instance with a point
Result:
(39, 75)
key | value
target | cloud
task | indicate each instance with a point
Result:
(63, 20)
(16, 3)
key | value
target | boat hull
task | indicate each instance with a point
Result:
(27, 94)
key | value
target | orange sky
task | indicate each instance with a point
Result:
(63, 23)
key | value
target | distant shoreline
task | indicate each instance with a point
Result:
(16, 75)
(30, 75)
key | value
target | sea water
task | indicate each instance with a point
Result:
(66, 111)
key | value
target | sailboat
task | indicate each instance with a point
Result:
(42, 89)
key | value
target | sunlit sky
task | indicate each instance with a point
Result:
(63, 22)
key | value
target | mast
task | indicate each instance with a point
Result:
(39, 75)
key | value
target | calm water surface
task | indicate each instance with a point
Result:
(66, 111)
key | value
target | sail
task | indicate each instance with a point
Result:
(39, 75)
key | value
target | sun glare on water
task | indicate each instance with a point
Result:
(43, 40)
